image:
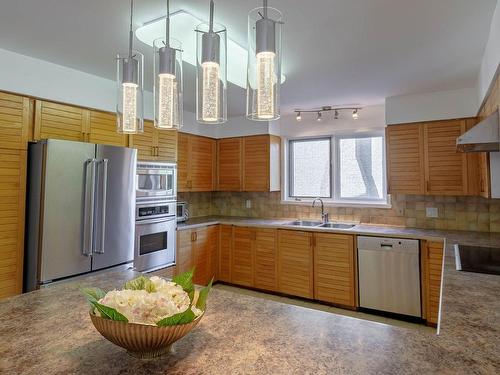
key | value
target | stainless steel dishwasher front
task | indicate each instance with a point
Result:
(389, 275)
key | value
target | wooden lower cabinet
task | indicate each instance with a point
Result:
(242, 262)
(334, 269)
(266, 259)
(225, 253)
(431, 274)
(184, 255)
(295, 263)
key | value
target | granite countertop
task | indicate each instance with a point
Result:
(49, 331)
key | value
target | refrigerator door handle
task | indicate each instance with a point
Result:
(104, 186)
(88, 212)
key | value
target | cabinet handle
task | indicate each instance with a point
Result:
(428, 186)
(482, 186)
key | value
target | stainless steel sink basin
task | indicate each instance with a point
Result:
(337, 225)
(305, 223)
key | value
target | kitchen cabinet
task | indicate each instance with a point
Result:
(229, 164)
(431, 273)
(261, 163)
(12, 215)
(265, 259)
(103, 130)
(196, 163)
(242, 262)
(184, 252)
(155, 144)
(334, 269)
(295, 263)
(225, 253)
(14, 121)
(60, 121)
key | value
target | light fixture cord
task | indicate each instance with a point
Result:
(131, 33)
(265, 8)
(167, 25)
(211, 25)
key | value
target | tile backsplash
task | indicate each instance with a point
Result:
(453, 213)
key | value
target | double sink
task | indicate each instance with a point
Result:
(319, 224)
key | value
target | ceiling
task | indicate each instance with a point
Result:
(336, 52)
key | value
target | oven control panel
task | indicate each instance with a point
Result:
(153, 210)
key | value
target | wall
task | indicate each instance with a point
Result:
(440, 105)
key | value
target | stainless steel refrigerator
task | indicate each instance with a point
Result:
(81, 209)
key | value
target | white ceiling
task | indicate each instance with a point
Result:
(335, 51)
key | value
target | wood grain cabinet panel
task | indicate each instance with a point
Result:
(59, 121)
(201, 256)
(432, 266)
(103, 130)
(242, 262)
(14, 121)
(295, 263)
(266, 259)
(12, 212)
(145, 142)
(182, 162)
(334, 269)
(261, 163)
(229, 164)
(166, 143)
(225, 253)
(446, 169)
(405, 159)
(184, 254)
(196, 163)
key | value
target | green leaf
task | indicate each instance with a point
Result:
(140, 283)
(93, 294)
(201, 303)
(182, 318)
(109, 312)
(185, 280)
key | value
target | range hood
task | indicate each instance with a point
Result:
(485, 136)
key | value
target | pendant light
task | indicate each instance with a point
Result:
(211, 82)
(168, 80)
(130, 82)
(264, 63)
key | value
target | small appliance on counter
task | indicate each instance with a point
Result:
(182, 212)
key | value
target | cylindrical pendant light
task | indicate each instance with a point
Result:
(168, 80)
(130, 84)
(211, 82)
(264, 63)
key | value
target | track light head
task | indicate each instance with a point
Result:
(299, 116)
(319, 119)
(355, 114)
(336, 116)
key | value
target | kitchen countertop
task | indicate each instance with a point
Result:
(49, 331)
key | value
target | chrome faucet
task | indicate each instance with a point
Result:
(324, 215)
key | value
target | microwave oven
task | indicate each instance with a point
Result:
(155, 180)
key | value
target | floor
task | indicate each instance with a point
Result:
(326, 308)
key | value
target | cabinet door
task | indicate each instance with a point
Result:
(182, 162)
(201, 256)
(405, 159)
(484, 175)
(184, 258)
(60, 121)
(229, 164)
(213, 252)
(225, 251)
(12, 205)
(103, 130)
(266, 259)
(14, 121)
(256, 163)
(201, 165)
(242, 267)
(144, 143)
(295, 263)
(167, 145)
(432, 264)
(334, 268)
(446, 169)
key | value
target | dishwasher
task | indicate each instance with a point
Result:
(389, 275)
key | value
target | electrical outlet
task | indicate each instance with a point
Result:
(248, 203)
(431, 212)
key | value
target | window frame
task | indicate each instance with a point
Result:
(334, 199)
(290, 159)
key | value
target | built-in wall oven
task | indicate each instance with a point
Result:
(156, 180)
(155, 234)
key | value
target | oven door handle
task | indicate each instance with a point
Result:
(155, 221)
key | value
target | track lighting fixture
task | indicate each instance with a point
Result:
(336, 111)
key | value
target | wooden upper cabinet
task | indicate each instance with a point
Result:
(405, 159)
(60, 121)
(266, 259)
(14, 121)
(334, 269)
(295, 263)
(229, 164)
(242, 259)
(103, 130)
(195, 163)
(261, 163)
(145, 142)
(225, 253)
(12, 206)
(166, 143)
(446, 168)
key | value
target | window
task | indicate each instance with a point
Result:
(347, 170)
(310, 171)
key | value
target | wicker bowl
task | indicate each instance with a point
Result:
(140, 340)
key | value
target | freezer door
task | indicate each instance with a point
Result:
(65, 231)
(115, 206)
